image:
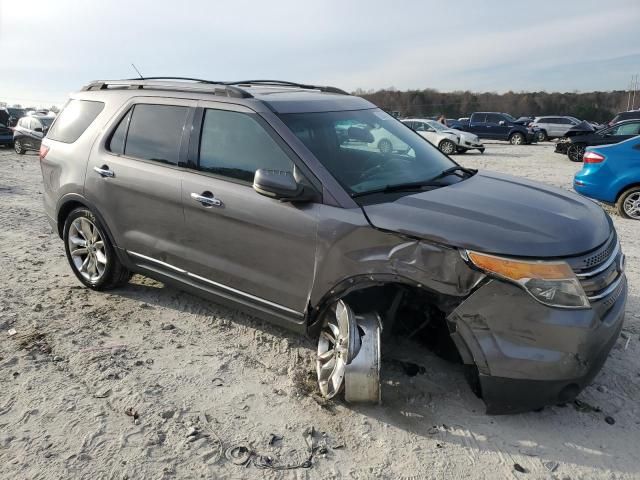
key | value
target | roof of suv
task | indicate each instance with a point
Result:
(278, 96)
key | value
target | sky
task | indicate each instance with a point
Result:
(51, 48)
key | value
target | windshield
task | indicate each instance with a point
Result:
(509, 117)
(367, 149)
(437, 126)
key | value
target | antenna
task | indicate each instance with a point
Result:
(137, 71)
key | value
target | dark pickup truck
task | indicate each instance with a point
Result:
(499, 126)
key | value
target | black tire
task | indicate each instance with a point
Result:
(575, 152)
(114, 274)
(481, 150)
(19, 148)
(517, 138)
(447, 147)
(630, 197)
(385, 146)
(542, 136)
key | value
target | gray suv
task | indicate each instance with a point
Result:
(273, 197)
(553, 127)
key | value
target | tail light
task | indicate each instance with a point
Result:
(592, 157)
(43, 152)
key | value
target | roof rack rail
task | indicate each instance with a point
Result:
(157, 83)
(289, 84)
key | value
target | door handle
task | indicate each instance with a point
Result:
(104, 171)
(206, 199)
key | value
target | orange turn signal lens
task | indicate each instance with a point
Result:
(519, 270)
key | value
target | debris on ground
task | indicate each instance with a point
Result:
(519, 468)
(12, 332)
(610, 420)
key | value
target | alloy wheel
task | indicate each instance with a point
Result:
(631, 206)
(385, 146)
(447, 147)
(517, 139)
(338, 344)
(87, 249)
(17, 145)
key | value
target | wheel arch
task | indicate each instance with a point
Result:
(628, 186)
(69, 203)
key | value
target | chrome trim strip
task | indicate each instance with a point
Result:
(610, 289)
(604, 266)
(144, 257)
(219, 285)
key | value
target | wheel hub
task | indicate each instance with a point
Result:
(87, 249)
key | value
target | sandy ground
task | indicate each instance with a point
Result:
(150, 382)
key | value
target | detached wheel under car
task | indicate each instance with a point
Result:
(628, 205)
(516, 139)
(447, 147)
(19, 147)
(90, 253)
(385, 146)
(576, 152)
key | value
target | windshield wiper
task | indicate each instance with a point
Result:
(410, 186)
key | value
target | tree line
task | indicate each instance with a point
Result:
(593, 106)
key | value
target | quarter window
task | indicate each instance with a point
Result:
(155, 133)
(116, 143)
(235, 145)
(74, 119)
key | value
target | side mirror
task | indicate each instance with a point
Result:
(501, 123)
(280, 186)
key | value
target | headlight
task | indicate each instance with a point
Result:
(550, 283)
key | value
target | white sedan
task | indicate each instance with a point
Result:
(448, 140)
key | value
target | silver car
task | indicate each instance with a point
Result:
(276, 198)
(553, 126)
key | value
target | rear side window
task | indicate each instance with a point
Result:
(116, 143)
(235, 145)
(74, 120)
(154, 133)
(478, 117)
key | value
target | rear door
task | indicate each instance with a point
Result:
(237, 242)
(477, 124)
(134, 178)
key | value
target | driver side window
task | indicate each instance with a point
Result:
(235, 145)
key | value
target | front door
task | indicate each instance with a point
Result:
(236, 241)
(134, 179)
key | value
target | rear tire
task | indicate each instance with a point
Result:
(516, 139)
(90, 253)
(19, 148)
(575, 152)
(628, 205)
(542, 136)
(447, 147)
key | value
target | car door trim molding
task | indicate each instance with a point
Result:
(217, 284)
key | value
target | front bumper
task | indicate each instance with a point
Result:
(529, 355)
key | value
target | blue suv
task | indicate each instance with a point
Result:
(611, 174)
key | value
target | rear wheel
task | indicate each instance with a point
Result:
(628, 205)
(447, 147)
(19, 147)
(516, 138)
(90, 252)
(541, 136)
(575, 152)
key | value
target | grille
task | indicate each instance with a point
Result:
(599, 257)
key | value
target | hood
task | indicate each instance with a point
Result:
(501, 214)
(581, 129)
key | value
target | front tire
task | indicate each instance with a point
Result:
(628, 205)
(90, 252)
(575, 152)
(516, 139)
(447, 147)
(19, 147)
